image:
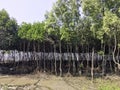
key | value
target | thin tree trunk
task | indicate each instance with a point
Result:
(60, 58)
(38, 60)
(34, 54)
(74, 69)
(34, 50)
(118, 59)
(20, 46)
(28, 46)
(111, 69)
(55, 60)
(92, 65)
(88, 57)
(22, 64)
(52, 61)
(68, 59)
(24, 49)
(44, 57)
(77, 60)
(103, 62)
(115, 47)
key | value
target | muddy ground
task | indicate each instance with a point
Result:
(43, 81)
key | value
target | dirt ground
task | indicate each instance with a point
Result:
(51, 82)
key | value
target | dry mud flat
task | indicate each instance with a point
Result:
(50, 82)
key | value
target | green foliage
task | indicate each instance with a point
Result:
(23, 29)
(118, 45)
(51, 24)
(8, 30)
(110, 22)
(101, 52)
(119, 10)
(32, 32)
(38, 31)
(81, 65)
(63, 21)
(100, 21)
(104, 16)
(92, 8)
(4, 17)
(109, 87)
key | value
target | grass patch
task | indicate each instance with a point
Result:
(109, 86)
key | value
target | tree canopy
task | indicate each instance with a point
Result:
(8, 30)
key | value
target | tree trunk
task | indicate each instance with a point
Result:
(55, 60)
(77, 60)
(69, 59)
(103, 62)
(23, 54)
(118, 50)
(28, 46)
(20, 46)
(88, 57)
(60, 58)
(44, 58)
(24, 49)
(92, 65)
(38, 60)
(34, 54)
(111, 69)
(115, 47)
(52, 61)
(74, 67)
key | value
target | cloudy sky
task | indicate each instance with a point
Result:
(27, 10)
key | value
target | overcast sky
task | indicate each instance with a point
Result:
(27, 10)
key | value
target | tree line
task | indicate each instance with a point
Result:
(72, 26)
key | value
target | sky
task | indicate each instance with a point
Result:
(27, 10)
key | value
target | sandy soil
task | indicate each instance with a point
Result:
(51, 82)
